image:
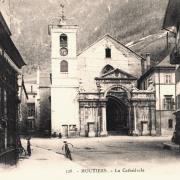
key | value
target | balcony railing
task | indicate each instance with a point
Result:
(175, 56)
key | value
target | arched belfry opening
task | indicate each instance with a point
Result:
(63, 40)
(117, 111)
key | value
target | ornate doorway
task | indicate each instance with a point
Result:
(117, 112)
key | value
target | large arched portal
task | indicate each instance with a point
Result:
(117, 112)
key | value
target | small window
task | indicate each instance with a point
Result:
(170, 123)
(168, 102)
(31, 109)
(64, 66)
(63, 40)
(168, 79)
(108, 52)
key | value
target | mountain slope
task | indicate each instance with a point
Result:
(126, 20)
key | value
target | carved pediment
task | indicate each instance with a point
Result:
(118, 73)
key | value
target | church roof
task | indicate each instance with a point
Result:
(172, 15)
(110, 37)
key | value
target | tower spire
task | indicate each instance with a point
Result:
(62, 16)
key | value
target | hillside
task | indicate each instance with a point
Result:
(126, 20)
(156, 44)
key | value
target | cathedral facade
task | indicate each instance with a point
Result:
(94, 93)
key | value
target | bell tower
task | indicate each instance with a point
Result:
(64, 88)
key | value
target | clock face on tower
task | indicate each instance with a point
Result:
(63, 51)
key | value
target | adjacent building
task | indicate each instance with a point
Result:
(36, 120)
(11, 63)
(172, 23)
(28, 111)
(163, 76)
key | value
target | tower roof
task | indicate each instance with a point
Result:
(61, 22)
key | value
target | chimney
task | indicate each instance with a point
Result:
(148, 61)
(142, 66)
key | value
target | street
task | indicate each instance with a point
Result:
(42, 164)
(113, 155)
(114, 151)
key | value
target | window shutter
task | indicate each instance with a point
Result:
(172, 103)
(170, 78)
(164, 103)
(165, 78)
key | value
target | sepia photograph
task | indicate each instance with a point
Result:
(89, 89)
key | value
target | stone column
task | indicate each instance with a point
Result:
(153, 121)
(103, 125)
(130, 122)
(82, 124)
(135, 131)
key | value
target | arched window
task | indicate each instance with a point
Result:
(106, 69)
(108, 53)
(63, 40)
(64, 66)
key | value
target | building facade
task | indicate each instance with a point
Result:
(36, 119)
(11, 63)
(28, 109)
(163, 77)
(94, 93)
(172, 23)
